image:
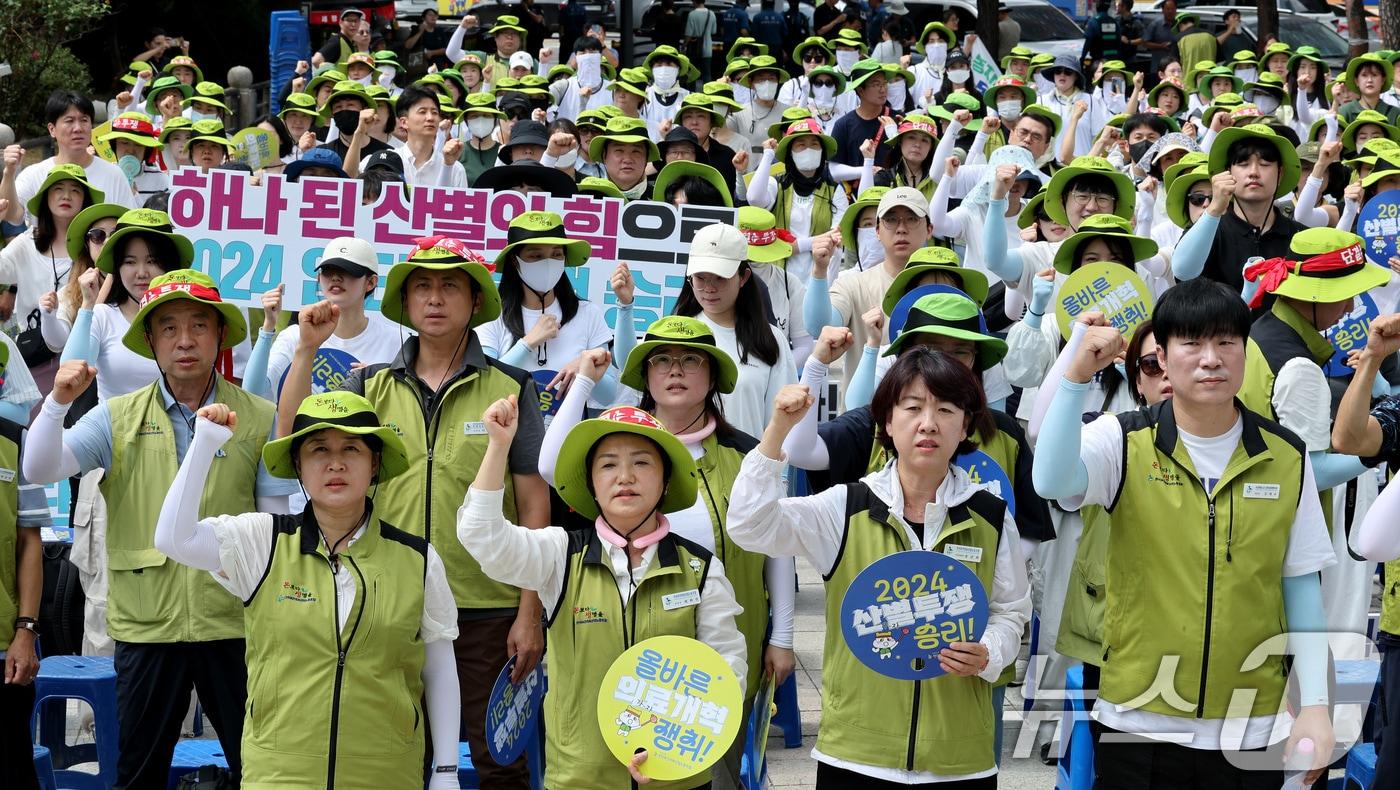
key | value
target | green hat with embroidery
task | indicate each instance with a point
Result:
(473, 60)
(178, 61)
(1177, 192)
(868, 198)
(68, 172)
(1289, 168)
(186, 284)
(702, 102)
(914, 123)
(161, 85)
(1365, 118)
(1058, 188)
(572, 474)
(946, 34)
(678, 330)
(144, 222)
(482, 104)
(601, 187)
(439, 253)
(1342, 274)
(767, 242)
(762, 63)
(674, 171)
(808, 127)
(789, 117)
(303, 103)
(540, 227)
(1364, 59)
(210, 93)
(954, 316)
(341, 411)
(135, 67)
(845, 37)
(1017, 53)
(135, 127)
(1101, 226)
(808, 43)
(926, 260)
(989, 96)
(960, 100)
(79, 226)
(624, 130)
(1188, 161)
(1304, 52)
(506, 22)
(595, 119)
(1218, 72)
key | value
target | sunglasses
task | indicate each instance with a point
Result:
(1198, 199)
(96, 236)
(1149, 365)
(813, 57)
(823, 84)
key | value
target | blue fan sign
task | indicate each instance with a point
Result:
(511, 713)
(1379, 224)
(1349, 334)
(982, 469)
(902, 610)
(550, 400)
(328, 371)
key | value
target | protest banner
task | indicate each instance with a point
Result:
(1110, 288)
(1378, 224)
(512, 712)
(985, 70)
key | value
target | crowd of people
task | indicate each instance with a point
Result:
(339, 571)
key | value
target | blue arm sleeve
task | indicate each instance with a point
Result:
(1333, 469)
(1058, 447)
(518, 355)
(1189, 259)
(255, 379)
(862, 387)
(1307, 628)
(1006, 265)
(15, 412)
(606, 389)
(817, 311)
(624, 336)
(79, 345)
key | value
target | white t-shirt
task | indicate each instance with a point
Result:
(100, 173)
(33, 273)
(119, 369)
(429, 173)
(378, 343)
(1309, 550)
(786, 292)
(750, 404)
(588, 329)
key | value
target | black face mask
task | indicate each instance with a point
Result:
(347, 121)
(1136, 150)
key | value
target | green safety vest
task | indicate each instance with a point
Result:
(446, 440)
(149, 598)
(588, 629)
(1390, 606)
(331, 706)
(9, 530)
(822, 208)
(1081, 622)
(945, 725)
(1195, 579)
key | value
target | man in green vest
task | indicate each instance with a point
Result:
(434, 394)
(1193, 42)
(510, 38)
(1215, 540)
(175, 628)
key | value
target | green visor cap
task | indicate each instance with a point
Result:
(954, 316)
(341, 411)
(572, 472)
(676, 330)
(185, 284)
(540, 227)
(440, 253)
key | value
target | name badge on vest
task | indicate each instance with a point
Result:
(7, 475)
(680, 599)
(1261, 490)
(963, 553)
(474, 428)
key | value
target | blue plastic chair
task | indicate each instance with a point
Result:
(43, 766)
(191, 755)
(92, 679)
(1361, 767)
(1076, 766)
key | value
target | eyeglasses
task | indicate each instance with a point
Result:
(1198, 199)
(96, 236)
(1034, 137)
(1101, 200)
(907, 220)
(813, 57)
(1150, 366)
(690, 363)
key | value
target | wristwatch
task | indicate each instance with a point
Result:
(27, 624)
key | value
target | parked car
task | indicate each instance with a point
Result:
(1295, 29)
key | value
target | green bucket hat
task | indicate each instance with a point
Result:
(966, 101)
(387, 57)
(540, 227)
(1219, 72)
(989, 96)
(674, 171)
(762, 63)
(913, 123)
(79, 226)
(1100, 226)
(161, 85)
(678, 330)
(572, 475)
(845, 37)
(950, 315)
(634, 81)
(182, 284)
(1278, 48)
(210, 131)
(187, 62)
(722, 93)
(862, 71)
(947, 36)
(808, 43)
(745, 41)
(136, 67)
(622, 129)
(868, 198)
(135, 127)
(1289, 168)
(560, 70)
(1041, 60)
(595, 119)
(1165, 85)
(1027, 216)
(829, 71)
(1384, 166)
(65, 173)
(666, 51)
(1225, 102)
(1244, 58)
(1041, 111)
(209, 93)
(147, 222)
(303, 103)
(482, 104)
(1295, 280)
(1304, 52)
(699, 101)
(334, 75)
(1368, 58)
(1268, 81)
(602, 187)
(1088, 165)
(1183, 17)
(805, 128)
(1177, 191)
(1364, 118)
(342, 411)
(441, 254)
(1113, 67)
(1193, 74)
(506, 22)
(734, 69)
(177, 124)
(767, 242)
(347, 89)
(790, 116)
(1188, 161)
(1017, 53)
(935, 259)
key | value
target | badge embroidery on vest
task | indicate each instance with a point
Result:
(588, 614)
(1163, 476)
(295, 593)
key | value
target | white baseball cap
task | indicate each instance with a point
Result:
(717, 249)
(908, 197)
(351, 255)
(522, 59)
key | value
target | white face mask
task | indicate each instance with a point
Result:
(1266, 102)
(196, 115)
(959, 75)
(722, 110)
(807, 160)
(1009, 109)
(567, 160)
(936, 52)
(665, 77)
(896, 94)
(1248, 75)
(364, 80)
(481, 128)
(870, 251)
(824, 95)
(846, 58)
(541, 275)
(766, 91)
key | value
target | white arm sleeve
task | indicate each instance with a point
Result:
(781, 575)
(803, 446)
(454, 45)
(180, 535)
(1305, 209)
(569, 415)
(46, 458)
(440, 688)
(762, 188)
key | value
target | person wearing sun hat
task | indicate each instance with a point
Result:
(862, 248)
(680, 145)
(667, 68)
(510, 38)
(323, 84)
(299, 115)
(175, 628)
(1187, 197)
(136, 145)
(206, 103)
(1365, 126)
(184, 69)
(704, 115)
(909, 159)
(933, 43)
(624, 151)
(1368, 76)
(763, 108)
(360, 67)
(868, 83)
(1170, 97)
(441, 292)
(481, 150)
(770, 248)
(209, 144)
(805, 197)
(401, 611)
(684, 182)
(628, 473)
(165, 97)
(812, 52)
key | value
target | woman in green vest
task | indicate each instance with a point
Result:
(915, 733)
(805, 198)
(608, 588)
(349, 620)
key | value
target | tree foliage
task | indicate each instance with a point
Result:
(33, 38)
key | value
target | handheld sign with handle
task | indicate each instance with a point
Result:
(1110, 288)
(1379, 224)
(511, 713)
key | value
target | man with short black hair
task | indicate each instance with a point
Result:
(418, 116)
(340, 45)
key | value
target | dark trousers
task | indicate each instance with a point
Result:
(1144, 764)
(829, 777)
(481, 653)
(1388, 719)
(16, 736)
(153, 695)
